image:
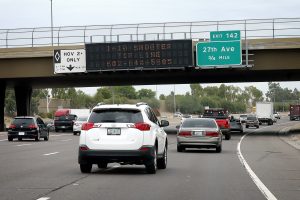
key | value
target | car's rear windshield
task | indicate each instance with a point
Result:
(243, 115)
(201, 123)
(116, 116)
(217, 114)
(23, 121)
(251, 118)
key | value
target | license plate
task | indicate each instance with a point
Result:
(198, 133)
(113, 131)
(21, 133)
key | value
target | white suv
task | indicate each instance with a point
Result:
(126, 134)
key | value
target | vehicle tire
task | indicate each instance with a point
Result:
(257, 126)
(56, 130)
(151, 167)
(179, 148)
(247, 126)
(10, 139)
(227, 137)
(38, 137)
(47, 137)
(241, 131)
(162, 162)
(85, 168)
(102, 165)
(74, 133)
(219, 149)
(19, 138)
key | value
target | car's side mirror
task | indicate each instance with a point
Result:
(164, 123)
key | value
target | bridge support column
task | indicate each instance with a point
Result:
(2, 104)
(23, 100)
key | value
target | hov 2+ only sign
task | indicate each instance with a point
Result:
(69, 61)
(224, 49)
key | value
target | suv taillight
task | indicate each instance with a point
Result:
(212, 133)
(32, 126)
(87, 126)
(185, 133)
(142, 126)
(12, 126)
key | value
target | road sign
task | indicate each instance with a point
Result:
(218, 53)
(225, 35)
(69, 61)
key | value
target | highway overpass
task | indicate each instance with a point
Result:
(24, 68)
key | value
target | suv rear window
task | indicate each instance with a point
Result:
(23, 121)
(116, 116)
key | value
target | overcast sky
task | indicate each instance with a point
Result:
(36, 13)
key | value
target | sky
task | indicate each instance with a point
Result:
(37, 13)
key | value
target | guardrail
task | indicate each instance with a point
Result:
(197, 30)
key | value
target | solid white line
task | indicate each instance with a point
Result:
(3, 140)
(20, 145)
(44, 198)
(265, 191)
(59, 135)
(48, 154)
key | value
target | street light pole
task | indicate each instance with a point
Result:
(174, 100)
(51, 24)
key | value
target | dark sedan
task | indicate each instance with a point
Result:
(236, 125)
(28, 127)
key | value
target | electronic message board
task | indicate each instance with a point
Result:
(138, 55)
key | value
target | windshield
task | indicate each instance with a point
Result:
(251, 118)
(116, 116)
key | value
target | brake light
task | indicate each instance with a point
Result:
(144, 148)
(185, 133)
(142, 126)
(83, 148)
(227, 124)
(87, 126)
(12, 126)
(32, 126)
(212, 134)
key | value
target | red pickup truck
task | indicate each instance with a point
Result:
(222, 119)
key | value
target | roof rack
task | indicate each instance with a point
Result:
(141, 103)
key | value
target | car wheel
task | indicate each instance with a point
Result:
(74, 133)
(227, 137)
(241, 131)
(86, 168)
(47, 137)
(257, 126)
(19, 138)
(162, 162)
(56, 130)
(247, 126)
(10, 139)
(219, 149)
(38, 137)
(151, 167)
(179, 148)
(102, 165)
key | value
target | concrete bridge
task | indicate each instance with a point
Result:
(24, 67)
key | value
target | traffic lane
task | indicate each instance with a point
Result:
(194, 174)
(31, 171)
(276, 163)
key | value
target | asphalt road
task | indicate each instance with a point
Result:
(49, 170)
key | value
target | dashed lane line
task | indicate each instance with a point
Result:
(44, 198)
(3, 140)
(48, 154)
(21, 145)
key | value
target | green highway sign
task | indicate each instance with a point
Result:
(218, 53)
(225, 35)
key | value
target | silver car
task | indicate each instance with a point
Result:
(199, 133)
(78, 123)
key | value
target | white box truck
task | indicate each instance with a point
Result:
(264, 112)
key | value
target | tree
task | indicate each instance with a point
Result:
(145, 93)
(125, 91)
(10, 108)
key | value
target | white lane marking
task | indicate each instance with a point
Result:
(59, 135)
(66, 140)
(3, 140)
(48, 154)
(265, 191)
(20, 145)
(44, 198)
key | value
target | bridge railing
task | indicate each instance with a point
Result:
(197, 30)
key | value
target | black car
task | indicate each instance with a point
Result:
(28, 127)
(236, 125)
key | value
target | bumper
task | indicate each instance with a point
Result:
(76, 129)
(63, 127)
(119, 156)
(205, 142)
(25, 134)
